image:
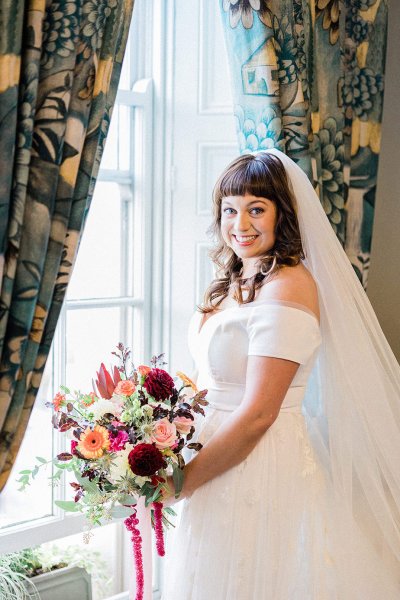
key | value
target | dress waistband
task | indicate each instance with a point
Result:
(291, 403)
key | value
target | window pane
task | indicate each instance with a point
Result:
(109, 159)
(97, 272)
(125, 122)
(117, 149)
(92, 334)
(36, 501)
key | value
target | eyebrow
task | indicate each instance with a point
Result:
(224, 201)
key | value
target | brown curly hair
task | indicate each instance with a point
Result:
(264, 176)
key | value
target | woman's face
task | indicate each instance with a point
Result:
(248, 225)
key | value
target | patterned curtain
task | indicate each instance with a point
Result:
(60, 63)
(307, 78)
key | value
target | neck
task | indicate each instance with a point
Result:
(250, 268)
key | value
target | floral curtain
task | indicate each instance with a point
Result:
(308, 78)
(60, 63)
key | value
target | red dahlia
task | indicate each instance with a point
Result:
(146, 459)
(159, 384)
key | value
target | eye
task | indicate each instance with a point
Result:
(228, 209)
(258, 210)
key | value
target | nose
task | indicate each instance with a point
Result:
(242, 221)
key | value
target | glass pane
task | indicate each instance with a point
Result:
(124, 139)
(97, 271)
(92, 335)
(36, 501)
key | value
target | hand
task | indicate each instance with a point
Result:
(168, 493)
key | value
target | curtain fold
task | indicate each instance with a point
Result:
(55, 109)
(307, 78)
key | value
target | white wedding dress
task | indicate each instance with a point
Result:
(269, 528)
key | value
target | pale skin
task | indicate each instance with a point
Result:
(267, 378)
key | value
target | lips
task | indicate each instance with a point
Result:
(245, 240)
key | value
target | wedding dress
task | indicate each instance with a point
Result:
(269, 528)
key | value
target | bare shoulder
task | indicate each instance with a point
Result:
(292, 284)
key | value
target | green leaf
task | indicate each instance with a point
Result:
(88, 486)
(177, 476)
(128, 500)
(25, 472)
(41, 460)
(121, 512)
(68, 505)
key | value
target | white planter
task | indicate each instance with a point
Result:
(69, 583)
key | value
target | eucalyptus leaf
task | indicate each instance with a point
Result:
(67, 505)
(121, 512)
(129, 500)
(177, 476)
(88, 486)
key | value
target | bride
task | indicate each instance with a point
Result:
(295, 494)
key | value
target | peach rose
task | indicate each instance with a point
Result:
(183, 424)
(125, 387)
(143, 370)
(163, 434)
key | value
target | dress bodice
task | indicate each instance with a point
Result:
(220, 348)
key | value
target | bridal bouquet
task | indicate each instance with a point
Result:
(127, 437)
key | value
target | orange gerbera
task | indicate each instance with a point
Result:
(187, 381)
(93, 442)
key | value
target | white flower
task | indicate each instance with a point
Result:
(118, 400)
(101, 407)
(120, 465)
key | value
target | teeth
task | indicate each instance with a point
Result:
(245, 238)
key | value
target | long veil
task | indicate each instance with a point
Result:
(352, 402)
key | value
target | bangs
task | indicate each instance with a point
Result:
(249, 176)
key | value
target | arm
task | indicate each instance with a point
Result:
(267, 381)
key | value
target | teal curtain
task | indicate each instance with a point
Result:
(308, 79)
(60, 63)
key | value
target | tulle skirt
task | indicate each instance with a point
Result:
(270, 529)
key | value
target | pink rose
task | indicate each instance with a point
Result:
(163, 434)
(183, 424)
(126, 387)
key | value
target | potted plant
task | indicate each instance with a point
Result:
(49, 572)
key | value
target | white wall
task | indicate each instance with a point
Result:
(384, 277)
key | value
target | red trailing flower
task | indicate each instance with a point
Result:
(158, 528)
(146, 459)
(131, 525)
(159, 384)
(105, 383)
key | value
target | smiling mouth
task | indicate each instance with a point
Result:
(245, 239)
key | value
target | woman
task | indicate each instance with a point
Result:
(295, 494)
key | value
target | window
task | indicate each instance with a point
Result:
(107, 302)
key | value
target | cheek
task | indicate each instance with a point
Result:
(225, 230)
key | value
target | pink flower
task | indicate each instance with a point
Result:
(118, 441)
(105, 382)
(125, 387)
(164, 433)
(183, 424)
(74, 444)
